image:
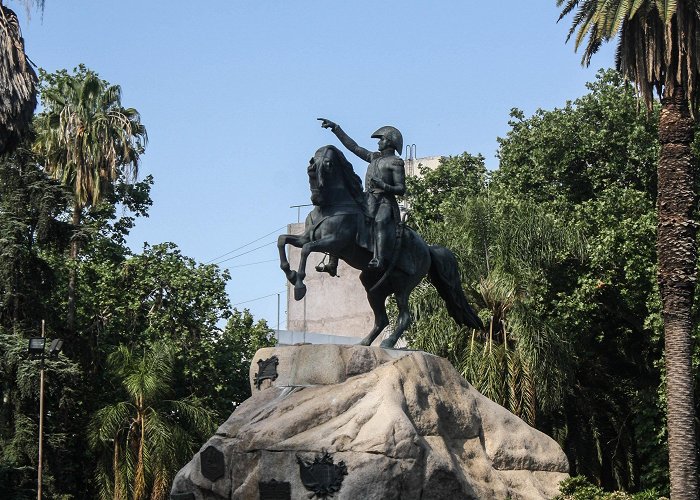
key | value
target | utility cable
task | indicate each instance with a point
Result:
(253, 263)
(257, 298)
(245, 253)
(246, 245)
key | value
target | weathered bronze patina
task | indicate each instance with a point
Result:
(342, 225)
(267, 370)
(322, 477)
(274, 490)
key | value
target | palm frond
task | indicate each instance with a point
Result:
(666, 9)
(636, 4)
(85, 138)
(18, 81)
(107, 422)
(657, 46)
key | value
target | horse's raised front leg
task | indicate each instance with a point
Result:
(324, 244)
(296, 241)
(403, 322)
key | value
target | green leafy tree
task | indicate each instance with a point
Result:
(455, 178)
(159, 294)
(573, 153)
(592, 162)
(657, 43)
(87, 140)
(144, 439)
(30, 230)
(19, 422)
(222, 362)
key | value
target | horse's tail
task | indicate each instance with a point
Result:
(444, 275)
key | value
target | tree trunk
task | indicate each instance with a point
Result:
(677, 254)
(73, 270)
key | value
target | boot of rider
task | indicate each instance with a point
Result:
(378, 260)
(330, 268)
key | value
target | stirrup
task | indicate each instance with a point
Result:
(327, 268)
(375, 264)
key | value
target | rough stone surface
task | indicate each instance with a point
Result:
(405, 423)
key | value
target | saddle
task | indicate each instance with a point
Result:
(365, 239)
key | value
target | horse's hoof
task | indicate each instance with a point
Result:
(299, 292)
(387, 343)
(366, 341)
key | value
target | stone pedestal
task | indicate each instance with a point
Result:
(367, 423)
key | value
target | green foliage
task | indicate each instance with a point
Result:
(455, 178)
(573, 153)
(19, 423)
(30, 208)
(593, 163)
(144, 438)
(85, 137)
(123, 299)
(158, 294)
(579, 488)
(504, 247)
(582, 332)
(219, 366)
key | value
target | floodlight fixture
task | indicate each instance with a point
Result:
(36, 346)
(56, 346)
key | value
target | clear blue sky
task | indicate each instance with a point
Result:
(230, 91)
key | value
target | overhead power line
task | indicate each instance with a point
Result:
(245, 253)
(246, 245)
(253, 263)
(257, 298)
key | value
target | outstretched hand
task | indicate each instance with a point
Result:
(325, 123)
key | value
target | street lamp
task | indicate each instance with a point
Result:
(36, 348)
(56, 346)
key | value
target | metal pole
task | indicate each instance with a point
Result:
(278, 317)
(41, 414)
(304, 333)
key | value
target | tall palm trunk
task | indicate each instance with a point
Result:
(677, 254)
(73, 270)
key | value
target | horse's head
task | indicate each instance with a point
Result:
(331, 177)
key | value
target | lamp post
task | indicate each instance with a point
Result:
(37, 348)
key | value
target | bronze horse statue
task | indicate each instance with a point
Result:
(338, 226)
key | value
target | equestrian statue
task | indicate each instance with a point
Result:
(364, 229)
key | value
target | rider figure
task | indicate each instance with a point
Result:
(385, 180)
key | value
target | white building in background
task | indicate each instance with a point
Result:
(335, 309)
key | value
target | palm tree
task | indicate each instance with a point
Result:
(87, 140)
(17, 81)
(502, 246)
(143, 440)
(658, 50)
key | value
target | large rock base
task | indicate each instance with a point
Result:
(405, 424)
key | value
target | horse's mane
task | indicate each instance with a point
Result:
(351, 180)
